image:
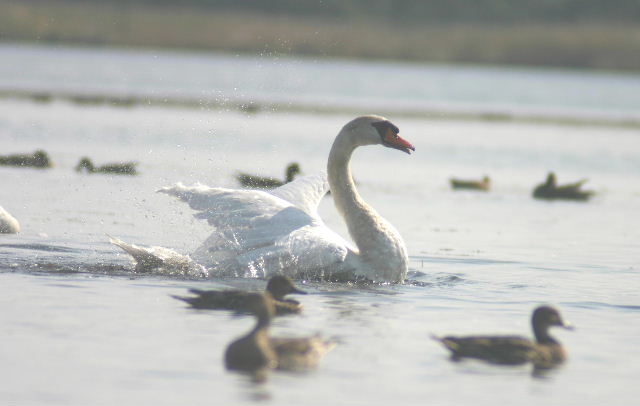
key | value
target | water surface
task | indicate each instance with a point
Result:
(79, 326)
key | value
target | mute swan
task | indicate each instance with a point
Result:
(551, 190)
(39, 159)
(257, 352)
(123, 168)
(277, 288)
(8, 223)
(545, 351)
(260, 233)
(260, 182)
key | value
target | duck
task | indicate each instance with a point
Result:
(277, 287)
(261, 233)
(543, 352)
(39, 159)
(551, 190)
(259, 182)
(8, 223)
(257, 351)
(483, 184)
(122, 168)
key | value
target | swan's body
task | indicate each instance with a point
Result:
(8, 223)
(261, 233)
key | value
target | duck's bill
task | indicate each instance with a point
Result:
(299, 292)
(567, 326)
(395, 141)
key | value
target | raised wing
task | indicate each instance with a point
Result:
(259, 233)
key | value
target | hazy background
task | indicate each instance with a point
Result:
(569, 33)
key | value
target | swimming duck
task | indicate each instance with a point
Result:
(8, 223)
(257, 351)
(544, 352)
(39, 159)
(551, 190)
(484, 184)
(277, 287)
(259, 182)
(124, 168)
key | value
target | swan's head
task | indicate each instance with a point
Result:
(374, 130)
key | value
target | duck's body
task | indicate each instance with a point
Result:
(39, 159)
(261, 182)
(261, 233)
(484, 184)
(8, 223)
(545, 351)
(277, 287)
(550, 190)
(258, 351)
(121, 168)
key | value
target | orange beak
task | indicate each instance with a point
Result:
(393, 140)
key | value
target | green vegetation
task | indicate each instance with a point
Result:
(572, 33)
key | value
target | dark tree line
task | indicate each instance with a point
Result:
(427, 11)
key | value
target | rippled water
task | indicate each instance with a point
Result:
(79, 326)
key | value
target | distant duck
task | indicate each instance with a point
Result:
(277, 287)
(121, 168)
(257, 352)
(8, 223)
(544, 352)
(484, 184)
(551, 190)
(39, 159)
(259, 182)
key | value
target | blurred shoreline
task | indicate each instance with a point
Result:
(251, 106)
(577, 44)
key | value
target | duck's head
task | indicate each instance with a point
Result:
(376, 130)
(293, 169)
(85, 163)
(547, 316)
(41, 158)
(281, 285)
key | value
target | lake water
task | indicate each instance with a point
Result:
(80, 327)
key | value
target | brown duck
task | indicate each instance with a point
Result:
(483, 184)
(277, 287)
(545, 351)
(257, 352)
(551, 190)
(39, 159)
(259, 182)
(119, 168)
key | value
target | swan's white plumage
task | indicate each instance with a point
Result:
(160, 259)
(8, 223)
(259, 233)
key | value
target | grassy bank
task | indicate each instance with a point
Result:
(582, 45)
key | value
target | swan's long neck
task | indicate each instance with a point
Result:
(380, 246)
